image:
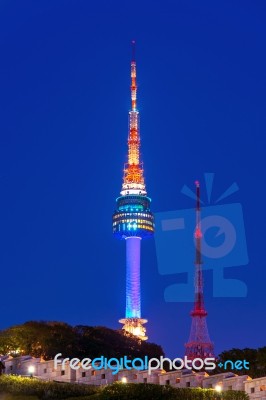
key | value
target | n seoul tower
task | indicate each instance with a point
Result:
(133, 220)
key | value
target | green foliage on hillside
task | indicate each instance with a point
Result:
(42, 390)
(9, 396)
(46, 339)
(142, 391)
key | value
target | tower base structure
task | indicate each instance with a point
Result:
(135, 327)
(199, 344)
(133, 323)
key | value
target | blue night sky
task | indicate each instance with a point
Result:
(64, 100)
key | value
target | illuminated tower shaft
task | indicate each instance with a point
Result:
(133, 302)
(199, 344)
(133, 219)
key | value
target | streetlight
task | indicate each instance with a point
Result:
(31, 370)
(218, 389)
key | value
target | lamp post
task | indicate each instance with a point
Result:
(31, 370)
(218, 389)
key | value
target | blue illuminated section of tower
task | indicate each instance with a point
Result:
(133, 219)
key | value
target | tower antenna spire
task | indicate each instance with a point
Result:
(133, 43)
(198, 233)
(199, 344)
(133, 86)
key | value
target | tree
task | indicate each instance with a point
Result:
(255, 357)
(46, 339)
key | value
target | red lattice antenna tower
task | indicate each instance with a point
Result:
(199, 344)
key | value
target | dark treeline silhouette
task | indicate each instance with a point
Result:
(255, 357)
(46, 339)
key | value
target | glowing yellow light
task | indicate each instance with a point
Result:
(137, 331)
(31, 369)
(124, 379)
(218, 388)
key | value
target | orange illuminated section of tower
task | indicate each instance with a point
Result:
(133, 180)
